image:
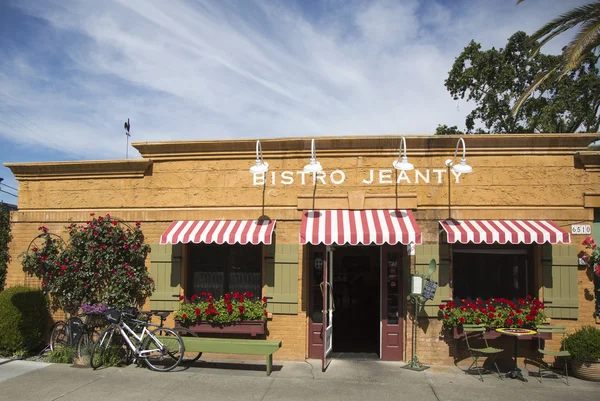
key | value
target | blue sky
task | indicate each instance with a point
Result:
(71, 72)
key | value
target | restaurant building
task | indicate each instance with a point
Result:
(354, 231)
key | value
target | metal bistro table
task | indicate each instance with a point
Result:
(515, 373)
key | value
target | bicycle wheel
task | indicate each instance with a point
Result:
(100, 347)
(86, 343)
(59, 336)
(188, 356)
(162, 350)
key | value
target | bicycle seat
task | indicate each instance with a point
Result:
(163, 314)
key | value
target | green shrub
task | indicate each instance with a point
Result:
(23, 320)
(584, 343)
(61, 355)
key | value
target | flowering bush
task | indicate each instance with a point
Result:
(229, 308)
(593, 258)
(497, 312)
(103, 262)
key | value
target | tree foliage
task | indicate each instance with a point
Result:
(582, 47)
(5, 238)
(103, 262)
(495, 79)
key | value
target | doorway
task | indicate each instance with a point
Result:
(356, 299)
(368, 317)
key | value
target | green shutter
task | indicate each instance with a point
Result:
(165, 269)
(441, 254)
(596, 225)
(282, 278)
(559, 277)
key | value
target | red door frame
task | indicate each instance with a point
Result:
(391, 338)
(315, 329)
(392, 334)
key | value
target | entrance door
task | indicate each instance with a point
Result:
(328, 307)
(392, 304)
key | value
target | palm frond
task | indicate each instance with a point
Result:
(529, 91)
(581, 45)
(547, 39)
(570, 18)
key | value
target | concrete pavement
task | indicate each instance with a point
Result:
(222, 380)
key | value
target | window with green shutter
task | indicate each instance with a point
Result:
(559, 280)
(281, 278)
(165, 269)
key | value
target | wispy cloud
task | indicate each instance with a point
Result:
(228, 69)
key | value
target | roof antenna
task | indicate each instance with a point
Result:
(127, 127)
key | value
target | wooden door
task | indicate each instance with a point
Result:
(328, 307)
(392, 302)
(315, 320)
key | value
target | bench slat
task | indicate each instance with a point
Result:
(231, 346)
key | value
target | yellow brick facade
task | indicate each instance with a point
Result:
(515, 177)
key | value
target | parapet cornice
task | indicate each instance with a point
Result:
(417, 145)
(129, 168)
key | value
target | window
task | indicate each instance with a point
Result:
(220, 269)
(500, 271)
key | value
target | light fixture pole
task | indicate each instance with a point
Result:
(261, 166)
(462, 168)
(402, 162)
(314, 166)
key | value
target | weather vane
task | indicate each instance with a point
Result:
(127, 127)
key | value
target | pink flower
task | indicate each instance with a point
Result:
(597, 270)
(137, 224)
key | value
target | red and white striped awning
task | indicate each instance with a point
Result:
(219, 231)
(504, 231)
(359, 227)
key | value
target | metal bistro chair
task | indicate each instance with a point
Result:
(560, 353)
(473, 331)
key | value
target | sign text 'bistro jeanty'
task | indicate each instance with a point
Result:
(338, 177)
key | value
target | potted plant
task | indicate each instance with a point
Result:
(493, 313)
(233, 313)
(584, 347)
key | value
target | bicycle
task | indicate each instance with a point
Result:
(161, 349)
(74, 333)
(189, 356)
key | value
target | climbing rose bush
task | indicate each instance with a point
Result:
(232, 307)
(593, 257)
(493, 313)
(102, 263)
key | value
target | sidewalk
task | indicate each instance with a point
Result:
(225, 380)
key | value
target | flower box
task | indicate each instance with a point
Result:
(492, 334)
(249, 327)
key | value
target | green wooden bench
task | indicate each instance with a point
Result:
(234, 346)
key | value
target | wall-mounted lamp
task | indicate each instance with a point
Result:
(402, 162)
(314, 166)
(261, 166)
(463, 167)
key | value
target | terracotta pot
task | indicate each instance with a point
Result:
(250, 327)
(586, 370)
